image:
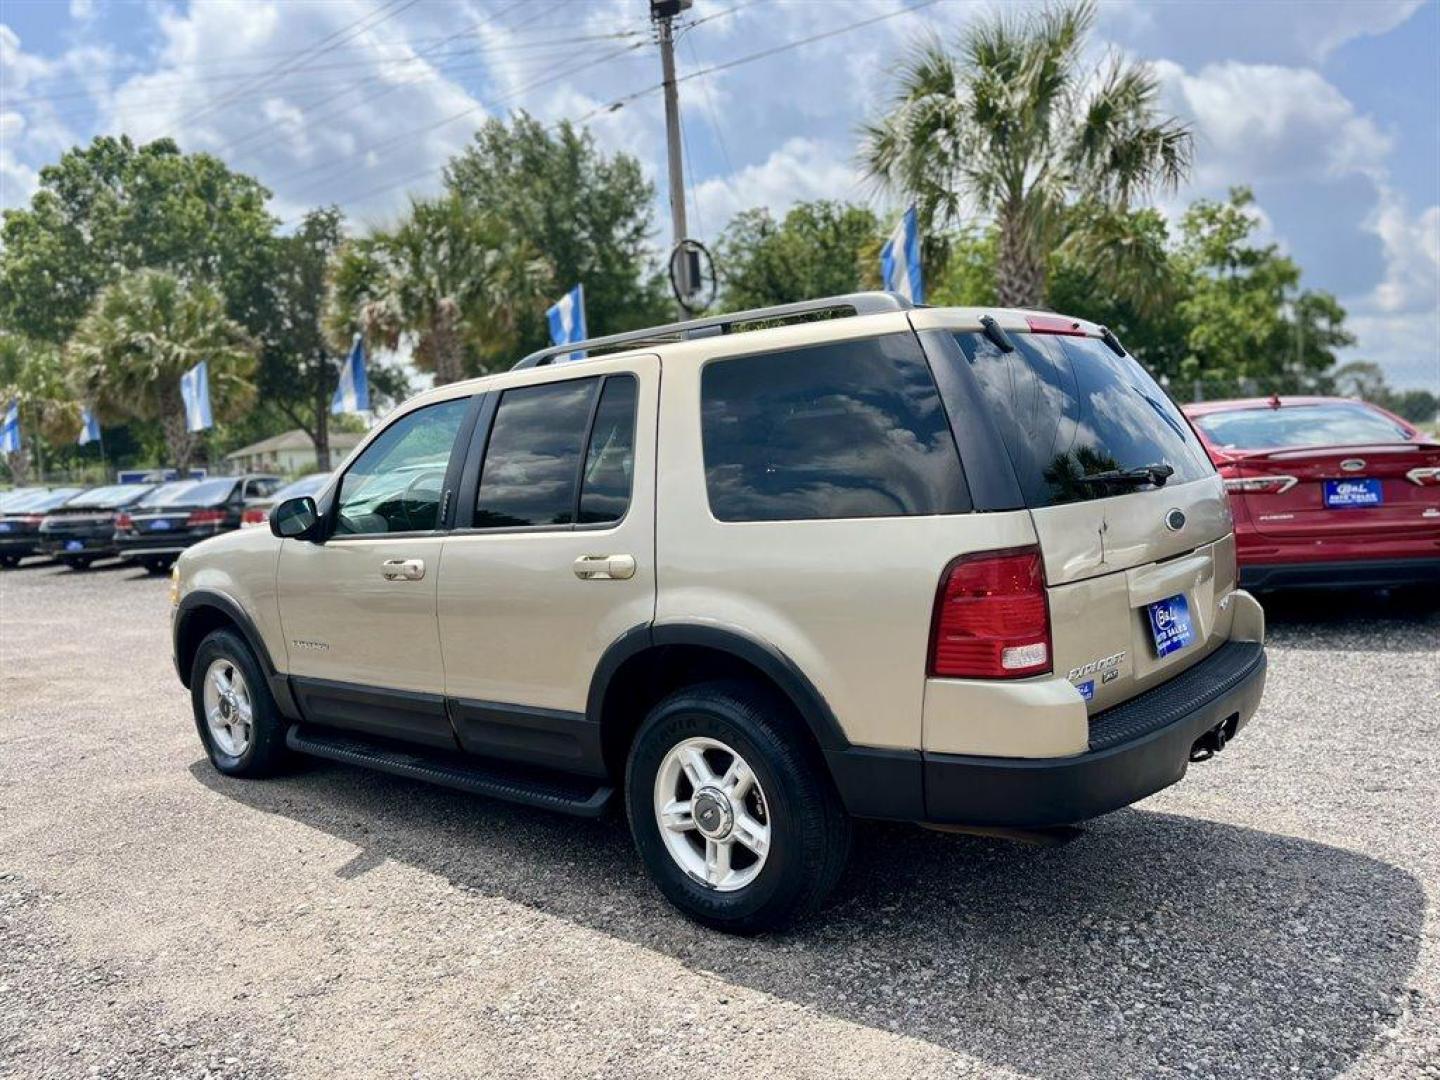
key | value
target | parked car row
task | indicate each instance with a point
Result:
(147, 523)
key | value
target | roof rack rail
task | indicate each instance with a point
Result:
(861, 303)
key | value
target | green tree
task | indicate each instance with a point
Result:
(591, 216)
(1013, 125)
(141, 335)
(298, 366)
(113, 207)
(461, 280)
(31, 373)
(1250, 324)
(815, 250)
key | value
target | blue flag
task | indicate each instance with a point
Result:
(352, 394)
(10, 429)
(900, 259)
(195, 392)
(89, 428)
(567, 320)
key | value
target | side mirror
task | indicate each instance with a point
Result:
(296, 519)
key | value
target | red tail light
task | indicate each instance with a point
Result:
(205, 517)
(124, 521)
(254, 516)
(991, 620)
(32, 519)
(1425, 477)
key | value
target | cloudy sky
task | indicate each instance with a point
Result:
(1329, 109)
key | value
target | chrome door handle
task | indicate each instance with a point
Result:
(605, 567)
(402, 569)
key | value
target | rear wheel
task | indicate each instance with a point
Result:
(158, 564)
(235, 713)
(9, 562)
(731, 811)
(78, 562)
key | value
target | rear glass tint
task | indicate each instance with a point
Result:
(1068, 408)
(113, 495)
(1331, 424)
(203, 493)
(851, 429)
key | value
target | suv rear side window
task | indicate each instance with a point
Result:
(1068, 407)
(851, 429)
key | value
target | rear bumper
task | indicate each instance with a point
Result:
(18, 545)
(93, 546)
(162, 544)
(1350, 574)
(1137, 748)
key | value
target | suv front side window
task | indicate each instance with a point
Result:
(395, 485)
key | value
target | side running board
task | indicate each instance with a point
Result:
(499, 780)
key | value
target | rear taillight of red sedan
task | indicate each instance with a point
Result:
(1427, 476)
(205, 517)
(991, 620)
(1261, 485)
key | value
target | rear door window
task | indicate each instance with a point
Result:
(1068, 408)
(850, 429)
(532, 462)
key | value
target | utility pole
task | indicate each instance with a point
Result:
(663, 12)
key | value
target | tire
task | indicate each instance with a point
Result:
(262, 752)
(9, 562)
(158, 565)
(807, 828)
(77, 562)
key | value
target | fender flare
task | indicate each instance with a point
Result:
(202, 599)
(779, 668)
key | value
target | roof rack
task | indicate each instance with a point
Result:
(861, 303)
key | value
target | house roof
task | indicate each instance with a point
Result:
(295, 439)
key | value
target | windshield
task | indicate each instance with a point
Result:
(105, 498)
(306, 485)
(1068, 408)
(192, 493)
(164, 492)
(1329, 424)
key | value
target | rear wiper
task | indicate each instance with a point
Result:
(1141, 474)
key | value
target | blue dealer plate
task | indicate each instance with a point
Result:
(159, 525)
(1340, 493)
(1170, 625)
(4, 526)
(74, 545)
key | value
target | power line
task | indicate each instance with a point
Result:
(346, 33)
(618, 103)
(263, 130)
(405, 136)
(165, 86)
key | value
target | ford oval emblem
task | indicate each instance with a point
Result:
(1353, 464)
(1175, 520)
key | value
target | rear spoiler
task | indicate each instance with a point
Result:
(1283, 453)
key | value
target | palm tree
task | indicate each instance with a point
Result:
(457, 279)
(1011, 125)
(143, 333)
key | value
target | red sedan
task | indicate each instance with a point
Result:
(1326, 491)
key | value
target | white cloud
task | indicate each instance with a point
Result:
(1265, 122)
(800, 169)
(1412, 256)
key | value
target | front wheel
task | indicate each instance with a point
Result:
(731, 810)
(242, 729)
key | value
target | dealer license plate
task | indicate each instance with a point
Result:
(74, 545)
(1170, 625)
(1339, 493)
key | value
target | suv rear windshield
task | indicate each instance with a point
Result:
(852, 429)
(1068, 408)
(1331, 424)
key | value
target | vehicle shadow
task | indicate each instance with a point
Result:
(1154, 943)
(1342, 620)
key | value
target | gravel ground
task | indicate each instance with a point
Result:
(1272, 915)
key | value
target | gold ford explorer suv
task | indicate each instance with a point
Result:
(752, 576)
